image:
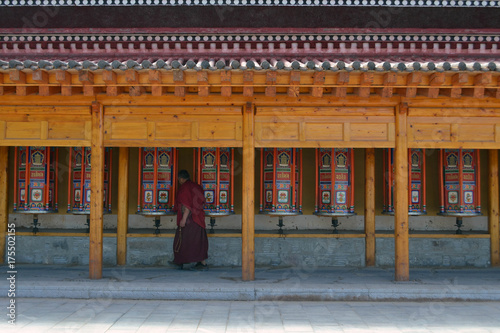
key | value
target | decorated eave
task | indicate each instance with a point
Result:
(248, 77)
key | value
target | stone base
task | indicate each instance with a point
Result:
(278, 252)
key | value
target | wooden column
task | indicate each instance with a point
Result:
(97, 191)
(370, 206)
(401, 235)
(122, 228)
(4, 199)
(248, 204)
(493, 214)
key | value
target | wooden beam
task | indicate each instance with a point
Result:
(457, 81)
(248, 204)
(225, 81)
(48, 90)
(112, 89)
(293, 89)
(318, 82)
(412, 81)
(40, 76)
(131, 76)
(63, 77)
(248, 83)
(4, 199)
(65, 80)
(97, 192)
(401, 228)
(494, 208)
(342, 79)
(370, 259)
(203, 87)
(480, 82)
(136, 90)
(389, 80)
(155, 78)
(122, 226)
(17, 76)
(179, 81)
(436, 79)
(271, 77)
(86, 77)
(366, 80)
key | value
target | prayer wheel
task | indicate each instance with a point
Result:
(35, 181)
(459, 184)
(416, 182)
(334, 195)
(157, 182)
(281, 182)
(79, 187)
(214, 171)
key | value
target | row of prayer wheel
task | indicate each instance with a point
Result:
(281, 174)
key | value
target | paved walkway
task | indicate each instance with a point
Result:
(292, 284)
(114, 315)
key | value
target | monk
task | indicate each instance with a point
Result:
(191, 241)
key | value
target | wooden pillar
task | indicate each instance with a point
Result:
(4, 199)
(401, 234)
(97, 192)
(370, 206)
(122, 228)
(493, 214)
(248, 204)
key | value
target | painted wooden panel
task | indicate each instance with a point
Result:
(129, 130)
(45, 125)
(23, 130)
(430, 132)
(169, 131)
(454, 128)
(324, 127)
(324, 131)
(476, 132)
(66, 130)
(369, 132)
(173, 126)
(217, 131)
(277, 131)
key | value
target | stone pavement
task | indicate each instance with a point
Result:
(115, 315)
(271, 284)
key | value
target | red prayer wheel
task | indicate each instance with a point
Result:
(79, 189)
(416, 182)
(335, 182)
(214, 171)
(35, 183)
(459, 184)
(334, 195)
(157, 181)
(281, 182)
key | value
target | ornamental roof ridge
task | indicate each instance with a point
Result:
(220, 3)
(252, 64)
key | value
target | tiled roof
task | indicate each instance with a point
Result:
(374, 3)
(251, 64)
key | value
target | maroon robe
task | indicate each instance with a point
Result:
(190, 242)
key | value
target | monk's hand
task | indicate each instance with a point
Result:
(182, 223)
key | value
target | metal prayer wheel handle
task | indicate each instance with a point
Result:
(334, 216)
(459, 219)
(409, 213)
(280, 216)
(157, 220)
(213, 215)
(35, 223)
